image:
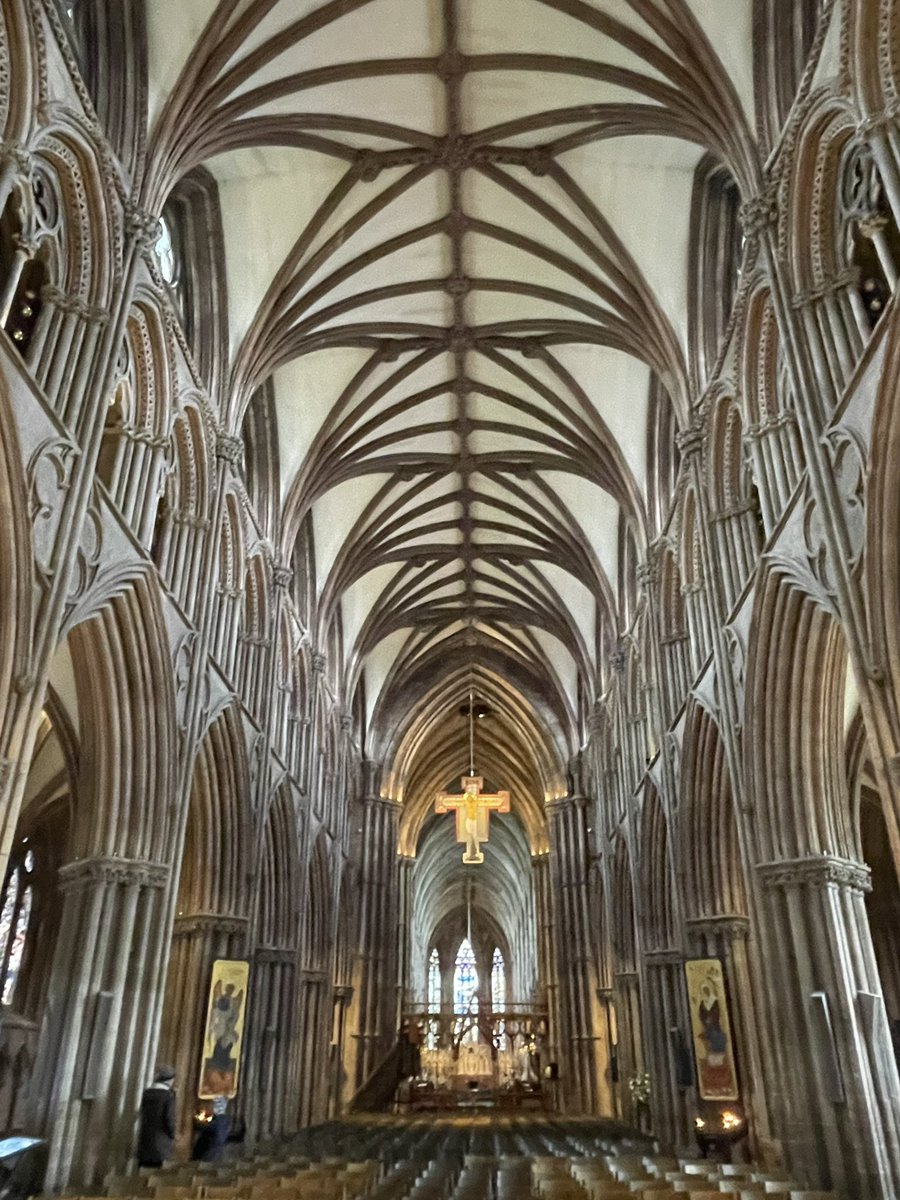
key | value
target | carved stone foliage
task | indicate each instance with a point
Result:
(90, 872)
(816, 871)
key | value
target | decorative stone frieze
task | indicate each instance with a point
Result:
(730, 927)
(88, 872)
(816, 871)
(274, 954)
(209, 923)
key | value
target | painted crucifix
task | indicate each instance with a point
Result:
(473, 811)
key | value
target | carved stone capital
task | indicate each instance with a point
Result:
(667, 956)
(319, 663)
(229, 449)
(647, 573)
(282, 576)
(142, 226)
(760, 212)
(89, 872)
(21, 158)
(343, 993)
(274, 954)
(730, 927)
(209, 923)
(617, 660)
(817, 871)
(690, 441)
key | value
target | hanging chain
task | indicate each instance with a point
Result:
(471, 732)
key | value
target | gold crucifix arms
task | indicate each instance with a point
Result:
(473, 811)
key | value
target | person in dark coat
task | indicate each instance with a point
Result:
(212, 1136)
(156, 1134)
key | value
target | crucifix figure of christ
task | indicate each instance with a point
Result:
(472, 814)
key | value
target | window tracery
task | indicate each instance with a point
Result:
(498, 982)
(15, 919)
(465, 992)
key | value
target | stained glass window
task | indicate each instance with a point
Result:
(17, 949)
(15, 914)
(465, 984)
(434, 982)
(498, 982)
(165, 252)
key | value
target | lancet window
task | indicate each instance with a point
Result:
(171, 261)
(15, 917)
(434, 982)
(465, 992)
(498, 982)
(716, 253)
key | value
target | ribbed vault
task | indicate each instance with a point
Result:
(456, 239)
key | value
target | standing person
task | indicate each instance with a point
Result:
(156, 1134)
(211, 1137)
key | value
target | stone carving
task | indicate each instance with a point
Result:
(49, 475)
(822, 871)
(209, 923)
(90, 872)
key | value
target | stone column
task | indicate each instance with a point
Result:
(626, 991)
(99, 1026)
(314, 1018)
(271, 1067)
(547, 960)
(726, 937)
(342, 996)
(584, 1065)
(835, 1086)
(198, 939)
(665, 1018)
(22, 708)
(376, 1016)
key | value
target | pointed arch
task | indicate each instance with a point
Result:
(126, 703)
(710, 849)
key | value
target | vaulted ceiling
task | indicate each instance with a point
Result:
(457, 244)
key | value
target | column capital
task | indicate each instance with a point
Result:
(229, 449)
(819, 871)
(282, 575)
(142, 225)
(667, 956)
(729, 926)
(274, 954)
(690, 441)
(85, 872)
(761, 211)
(209, 923)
